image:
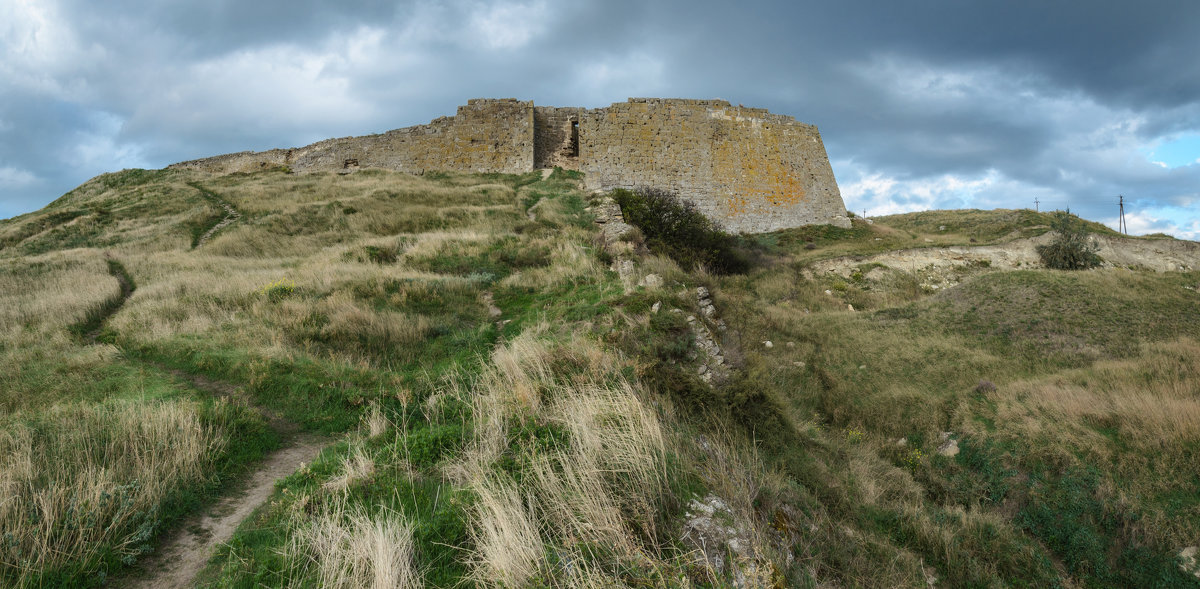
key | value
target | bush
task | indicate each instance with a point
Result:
(675, 228)
(278, 290)
(1071, 249)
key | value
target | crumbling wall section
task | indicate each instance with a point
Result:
(556, 137)
(748, 169)
(486, 135)
(242, 161)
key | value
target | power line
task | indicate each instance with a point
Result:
(1122, 227)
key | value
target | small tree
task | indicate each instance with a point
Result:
(1072, 248)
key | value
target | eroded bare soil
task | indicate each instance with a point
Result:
(182, 556)
(940, 267)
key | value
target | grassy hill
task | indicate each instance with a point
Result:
(513, 399)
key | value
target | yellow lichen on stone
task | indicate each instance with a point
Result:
(748, 169)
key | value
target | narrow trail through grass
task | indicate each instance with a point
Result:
(231, 214)
(184, 553)
(88, 330)
(181, 558)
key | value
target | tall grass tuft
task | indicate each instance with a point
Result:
(508, 546)
(85, 484)
(352, 549)
(597, 485)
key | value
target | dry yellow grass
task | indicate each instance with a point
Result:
(599, 490)
(509, 549)
(569, 264)
(356, 467)
(1151, 399)
(376, 423)
(49, 292)
(351, 549)
(86, 476)
(318, 233)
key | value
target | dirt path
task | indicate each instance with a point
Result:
(89, 328)
(185, 552)
(183, 555)
(231, 214)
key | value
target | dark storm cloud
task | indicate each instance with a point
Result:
(925, 103)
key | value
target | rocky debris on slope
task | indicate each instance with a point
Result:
(1188, 561)
(625, 271)
(930, 573)
(713, 368)
(608, 217)
(707, 309)
(712, 530)
(949, 445)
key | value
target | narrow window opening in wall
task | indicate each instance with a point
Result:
(573, 149)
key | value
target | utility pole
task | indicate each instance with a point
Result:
(1123, 227)
(1036, 202)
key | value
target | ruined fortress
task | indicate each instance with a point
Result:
(748, 169)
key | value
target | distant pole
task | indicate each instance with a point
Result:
(1124, 228)
(1036, 202)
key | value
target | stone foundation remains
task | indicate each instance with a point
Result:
(748, 169)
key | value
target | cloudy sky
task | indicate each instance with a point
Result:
(923, 104)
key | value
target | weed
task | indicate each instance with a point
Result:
(914, 459)
(278, 290)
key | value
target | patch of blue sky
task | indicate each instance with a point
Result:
(1180, 150)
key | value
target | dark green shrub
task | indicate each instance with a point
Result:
(381, 255)
(1071, 249)
(675, 228)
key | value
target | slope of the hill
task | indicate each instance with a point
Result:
(513, 399)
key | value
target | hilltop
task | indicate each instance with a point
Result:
(464, 379)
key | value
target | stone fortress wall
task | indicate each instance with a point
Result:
(748, 169)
